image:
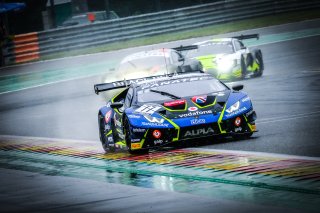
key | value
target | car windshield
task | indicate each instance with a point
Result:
(184, 89)
(212, 47)
(143, 67)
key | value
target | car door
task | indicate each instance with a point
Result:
(124, 97)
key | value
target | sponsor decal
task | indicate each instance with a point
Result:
(236, 112)
(234, 107)
(220, 94)
(180, 80)
(135, 140)
(134, 116)
(239, 129)
(121, 135)
(153, 119)
(111, 144)
(107, 127)
(245, 99)
(192, 109)
(118, 123)
(156, 142)
(119, 83)
(138, 130)
(199, 99)
(110, 139)
(135, 146)
(199, 132)
(197, 121)
(108, 104)
(195, 113)
(154, 124)
(254, 128)
(107, 117)
(148, 109)
(156, 134)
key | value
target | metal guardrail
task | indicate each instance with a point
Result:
(78, 37)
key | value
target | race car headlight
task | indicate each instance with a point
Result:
(225, 65)
(234, 107)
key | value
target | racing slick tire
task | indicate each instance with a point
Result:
(259, 59)
(243, 68)
(127, 136)
(103, 137)
(242, 136)
(196, 66)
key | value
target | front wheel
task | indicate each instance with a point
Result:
(127, 135)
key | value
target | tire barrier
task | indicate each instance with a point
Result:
(24, 48)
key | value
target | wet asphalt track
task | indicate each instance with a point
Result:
(286, 99)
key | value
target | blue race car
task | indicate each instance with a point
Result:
(157, 110)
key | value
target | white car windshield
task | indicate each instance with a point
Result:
(211, 48)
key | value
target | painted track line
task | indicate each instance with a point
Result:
(286, 118)
(49, 83)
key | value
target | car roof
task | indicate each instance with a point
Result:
(149, 53)
(214, 40)
(173, 79)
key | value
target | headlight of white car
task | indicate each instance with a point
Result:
(225, 64)
(233, 107)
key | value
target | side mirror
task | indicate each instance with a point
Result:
(181, 59)
(116, 105)
(237, 87)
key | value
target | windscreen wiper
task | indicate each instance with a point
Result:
(165, 94)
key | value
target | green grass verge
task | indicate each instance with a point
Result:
(204, 31)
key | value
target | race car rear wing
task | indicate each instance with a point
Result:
(125, 83)
(249, 36)
(122, 84)
(185, 48)
(109, 86)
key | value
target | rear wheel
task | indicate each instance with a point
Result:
(243, 68)
(258, 55)
(103, 137)
(127, 135)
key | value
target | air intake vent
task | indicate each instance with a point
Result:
(221, 103)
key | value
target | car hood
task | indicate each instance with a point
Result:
(160, 114)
